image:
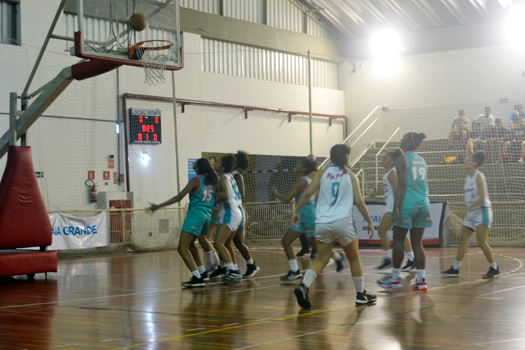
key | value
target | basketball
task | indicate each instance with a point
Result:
(138, 22)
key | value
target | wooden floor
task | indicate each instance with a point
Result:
(135, 301)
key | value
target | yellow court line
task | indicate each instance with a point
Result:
(305, 314)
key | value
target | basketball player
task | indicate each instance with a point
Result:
(478, 218)
(202, 189)
(411, 210)
(338, 191)
(305, 169)
(389, 189)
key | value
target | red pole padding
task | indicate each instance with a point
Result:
(91, 69)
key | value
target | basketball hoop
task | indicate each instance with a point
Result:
(153, 54)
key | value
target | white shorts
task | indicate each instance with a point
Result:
(344, 230)
(232, 217)
(476, 217)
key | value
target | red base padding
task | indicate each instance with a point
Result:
(20, 262)
(24, 221)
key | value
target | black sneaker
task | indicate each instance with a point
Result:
(452, 272)
(291, 276)
(303, 252)
(301, 293)
(313, 255)
(194, 282)
(387, 263)
(233, 276)
(219, 272)
(340, 264)
(251, 270)
(205, 276)
(411, 264)
(364, 298)
(493, 273)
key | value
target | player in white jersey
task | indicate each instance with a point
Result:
(230, 214)
(478, 217)
(389, 188)
(338, 191)
(238, 238)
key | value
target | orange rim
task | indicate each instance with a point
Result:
(157, 48)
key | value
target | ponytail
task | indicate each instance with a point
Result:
(204, 168)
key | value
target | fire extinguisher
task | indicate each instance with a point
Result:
(93, 197)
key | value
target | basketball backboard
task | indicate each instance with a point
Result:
(104, 33)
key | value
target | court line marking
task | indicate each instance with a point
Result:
(230, 324)
(153, 292)
(195, 329)
(250, 289)
(308, 314)
(124, 295)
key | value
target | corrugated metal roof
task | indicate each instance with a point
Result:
(359, 19)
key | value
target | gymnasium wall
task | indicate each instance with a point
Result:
(425, 92)
(65, 147)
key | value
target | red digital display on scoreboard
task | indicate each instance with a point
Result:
(144, 126)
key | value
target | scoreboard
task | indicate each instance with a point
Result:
(145, 126)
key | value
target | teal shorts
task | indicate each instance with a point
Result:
(414, 218)
(215, 220)
(196, 224)
(307, 228)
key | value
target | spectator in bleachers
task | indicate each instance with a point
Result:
(497, 136)
(476, 139)
(517, 117)
(486, 119)
(459, 130)
(516, 145)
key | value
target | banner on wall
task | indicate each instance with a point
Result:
(432, 234)
(70, 232)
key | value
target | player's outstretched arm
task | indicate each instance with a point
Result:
(298, 187)
(192, 184)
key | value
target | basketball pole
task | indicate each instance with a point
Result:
(176, 136)
(310, 99)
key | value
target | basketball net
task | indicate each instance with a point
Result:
(154, 54)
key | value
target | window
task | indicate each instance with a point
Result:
(10, 22)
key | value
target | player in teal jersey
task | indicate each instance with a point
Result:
(201, 189)
(305, 168)
(411, 210)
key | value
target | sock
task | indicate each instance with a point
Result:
(209, 259)
(457, 265)
(236, 267)
(410, 256)
(494, 266)
(223, 264)
(201, 269)
(359, 283)
(293, 265)
(387, 254)
(420, 274)
(249, 262)
(231, 267)
(309, 278)
(215, 259)
(395, 273)
(196, 273)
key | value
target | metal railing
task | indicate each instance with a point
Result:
(352, 134)
(381, 150)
